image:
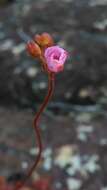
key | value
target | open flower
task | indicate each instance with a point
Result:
(55, 58)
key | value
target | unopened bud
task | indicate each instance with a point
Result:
(33, 49)
(44, 40)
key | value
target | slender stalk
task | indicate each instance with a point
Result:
(36, 128)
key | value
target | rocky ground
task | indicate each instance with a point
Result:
(73, 127)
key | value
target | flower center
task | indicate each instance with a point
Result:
(56, 56)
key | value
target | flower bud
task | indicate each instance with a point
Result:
(33, 49)
(44, 40)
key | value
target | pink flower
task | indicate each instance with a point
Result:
(55, 58)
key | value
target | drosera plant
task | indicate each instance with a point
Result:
(52, 58)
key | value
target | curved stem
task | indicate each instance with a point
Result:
(36, 128)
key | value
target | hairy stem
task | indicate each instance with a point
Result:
(36, 128)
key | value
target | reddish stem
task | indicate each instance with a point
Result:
(36, 128)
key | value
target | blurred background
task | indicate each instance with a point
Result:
(74, 125)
